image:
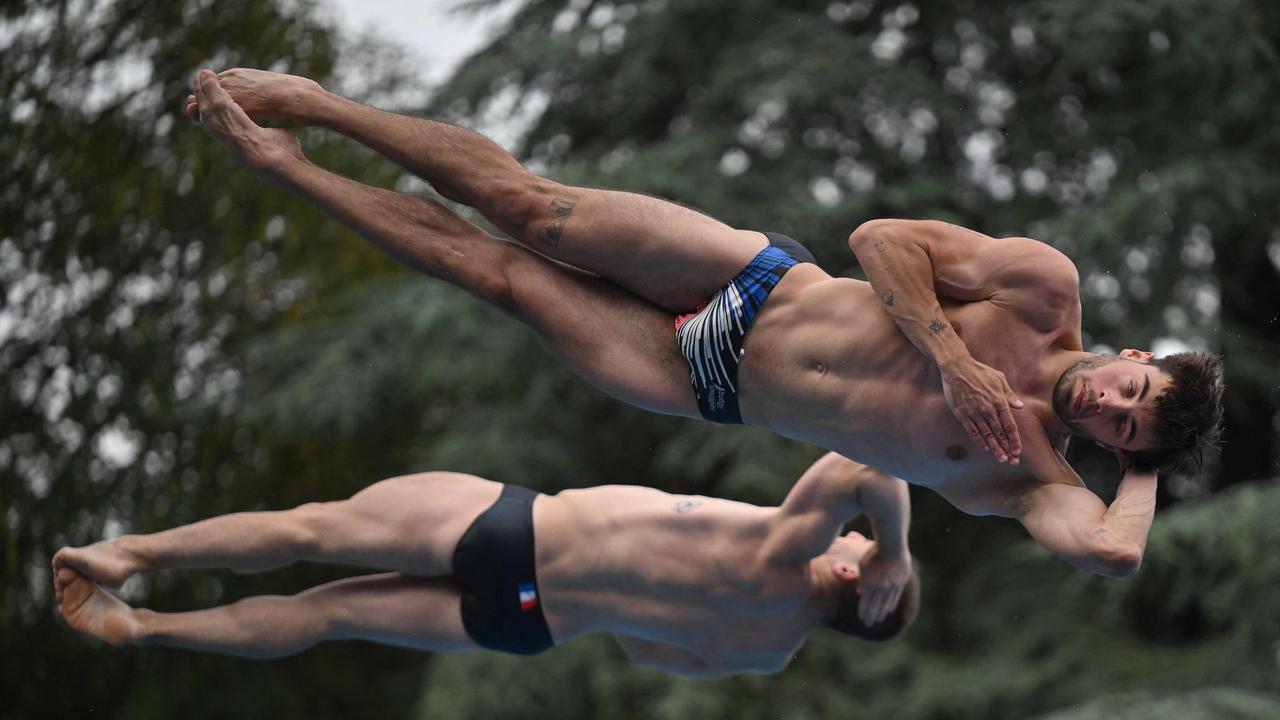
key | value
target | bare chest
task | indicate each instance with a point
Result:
(840, 373)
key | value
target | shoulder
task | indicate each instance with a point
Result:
(1037, 282)
(1032, 261)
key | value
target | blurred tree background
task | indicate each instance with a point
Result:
(178, 340)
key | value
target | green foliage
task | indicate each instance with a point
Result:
(179, 341)
(1206, 704)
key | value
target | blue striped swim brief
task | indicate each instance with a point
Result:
(711, 339)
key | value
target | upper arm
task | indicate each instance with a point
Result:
(971, 266)
(821, 501)
(1068, 521)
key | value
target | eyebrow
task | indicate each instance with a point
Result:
(1133, 424)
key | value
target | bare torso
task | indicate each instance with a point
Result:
(825, 364)
(676, 569)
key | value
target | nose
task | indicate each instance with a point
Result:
(1111, 401)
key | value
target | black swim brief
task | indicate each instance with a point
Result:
(494, 568)
(711, 337)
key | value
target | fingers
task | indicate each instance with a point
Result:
(1011, 432)
(875, 605)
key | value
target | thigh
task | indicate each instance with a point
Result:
(393, 609)
(668, 254)
(615, 339)
(409, 524)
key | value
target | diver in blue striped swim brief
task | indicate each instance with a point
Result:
(711, 337)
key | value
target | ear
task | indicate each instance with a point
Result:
(844, 571)
(1141, 356)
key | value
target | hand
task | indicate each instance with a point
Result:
(266, 150)
(980, 397)
(263, 94)
(881, 578)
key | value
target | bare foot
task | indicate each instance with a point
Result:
(265, 94)
(266, 150)
(107, 562)
(90, 609)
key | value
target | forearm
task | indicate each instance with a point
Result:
(886, 502)
(1127, 522)
(901, 273)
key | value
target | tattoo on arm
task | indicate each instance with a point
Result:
(880, 246)
(685, 506)
(887, 297)
(937, 326)
(560, 210)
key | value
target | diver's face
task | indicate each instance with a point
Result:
(1111, 399)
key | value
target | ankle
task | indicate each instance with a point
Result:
(137, 553)
(316, 107)
(145, 627)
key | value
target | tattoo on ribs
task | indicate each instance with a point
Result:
(937, 326)
(887, 297)
(560, 210)
(685, 506)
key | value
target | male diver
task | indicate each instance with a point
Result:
(643, 297)
(694, 585)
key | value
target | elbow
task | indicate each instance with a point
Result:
(869, 232)
(1117, 561)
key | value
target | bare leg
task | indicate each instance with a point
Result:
(392, 609)
(614, 339)
(409, 524)
(668, 254)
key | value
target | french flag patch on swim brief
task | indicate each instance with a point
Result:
(528, 596)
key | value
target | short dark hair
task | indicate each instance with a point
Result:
(847, 621)
(1188, 413)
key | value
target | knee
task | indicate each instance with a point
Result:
(307, 525)
(520, 205)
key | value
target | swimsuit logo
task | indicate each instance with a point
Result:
(528, 596)
(715, 397)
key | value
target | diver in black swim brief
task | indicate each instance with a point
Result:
(465, 573)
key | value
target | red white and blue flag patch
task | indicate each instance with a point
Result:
(528, 596)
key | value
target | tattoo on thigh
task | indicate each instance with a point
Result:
(560, 211)
(887, 297)
(937, 326)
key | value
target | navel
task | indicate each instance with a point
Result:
(956, 452)
(822, 369)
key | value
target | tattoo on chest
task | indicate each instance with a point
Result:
(560, 211)
(937, 326)
(887, 297)
(685, 506)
